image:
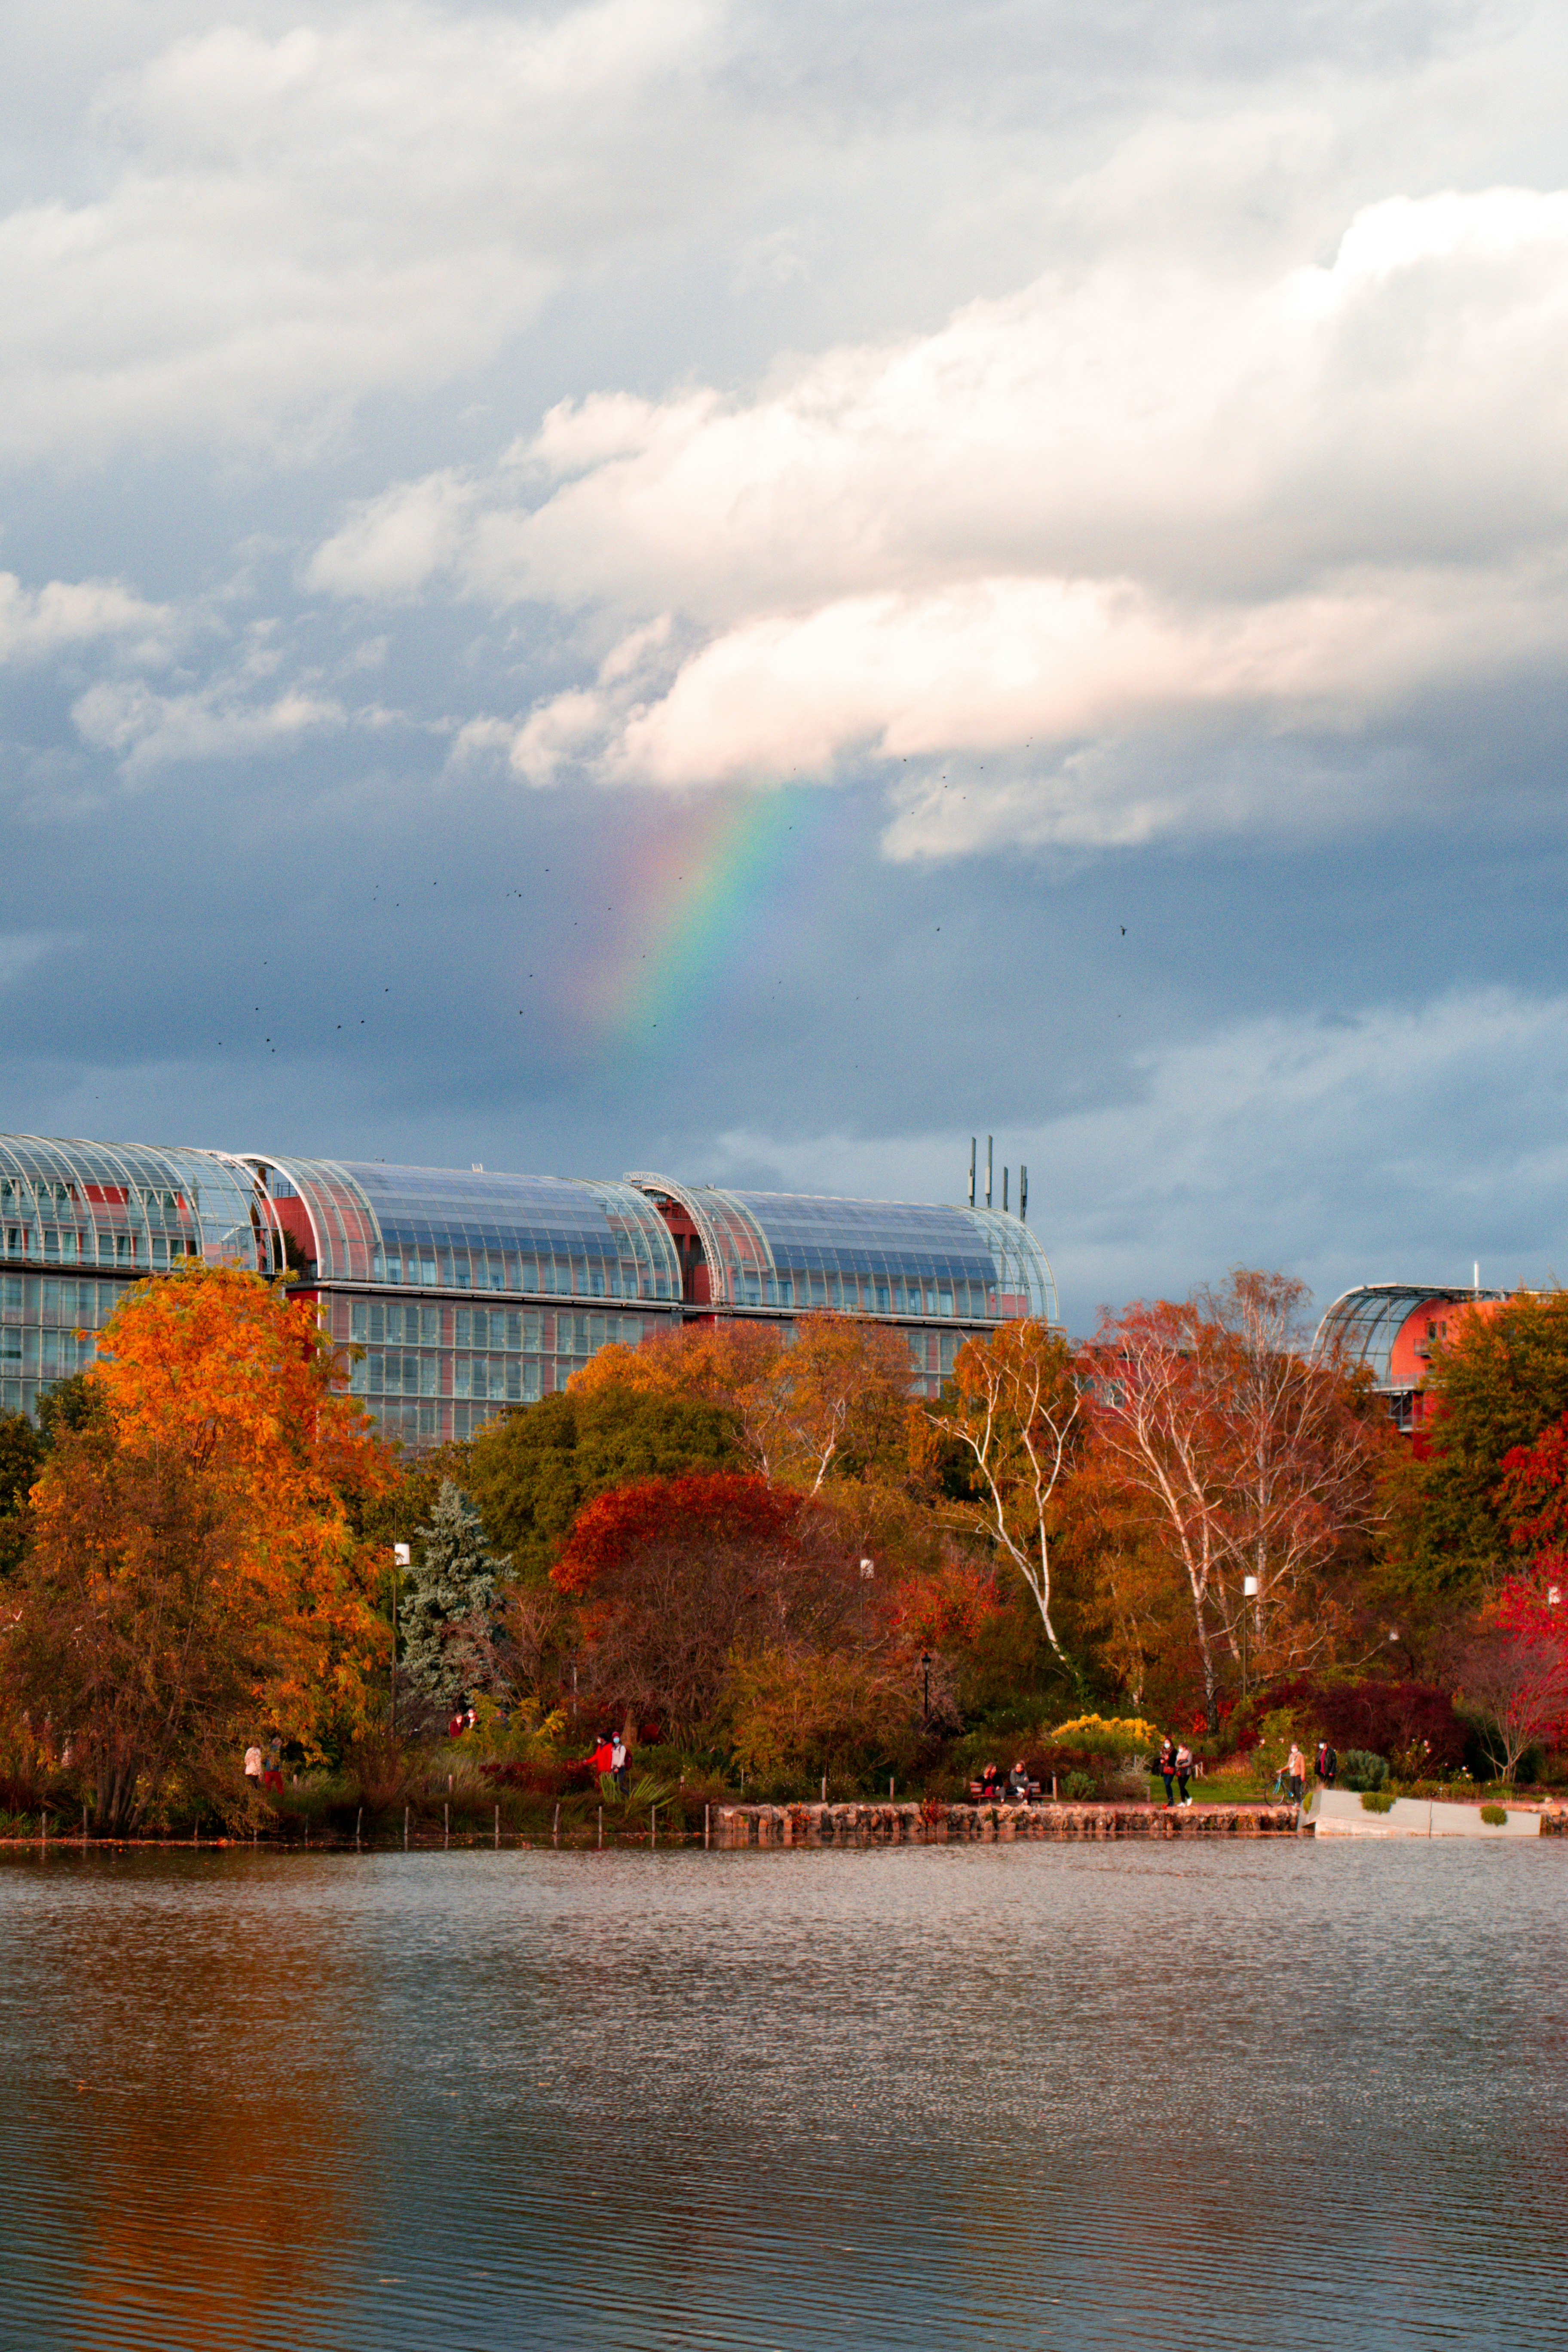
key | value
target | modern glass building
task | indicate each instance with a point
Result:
(79, 1223)
(469, 1292)
(456, 1294)
(1390, 1328)
(941, 1272)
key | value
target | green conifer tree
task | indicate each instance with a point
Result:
(452, 1577)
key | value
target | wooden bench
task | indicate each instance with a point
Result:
(1001, 1794)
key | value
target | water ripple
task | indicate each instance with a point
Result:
(1049, 2098)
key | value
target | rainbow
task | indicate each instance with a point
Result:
(714, 887)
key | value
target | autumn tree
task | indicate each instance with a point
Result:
(794, 1715)
(1014, 1419)
(1496, 1383)
(24, 1449)
(146, 1625)
(192, 1540)
(1247, 1460)
(672, 1575)
(21, 1458)
(531, 1472)
(829, 1405)
(1133, 1610)
(1513, 1676)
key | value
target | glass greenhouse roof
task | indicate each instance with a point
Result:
(1363, 1324)
(68, 1201)
(760, 1246)
(477, 1230)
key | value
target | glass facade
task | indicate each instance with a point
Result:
(81, 1222)
(524, 1278)
(792, 1250)
(438, 1229)
(455, 1295)
(1363, 1324)
(783, 1253)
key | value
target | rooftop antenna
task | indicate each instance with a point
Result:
(988, 1171)
(972, 1171)
(1023, 1195)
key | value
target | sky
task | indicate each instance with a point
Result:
(752, 592)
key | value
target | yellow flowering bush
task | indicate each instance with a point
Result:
(1100, 1734)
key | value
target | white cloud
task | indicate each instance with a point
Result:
(1096, 510)
(283, 223)
(37, 622)
(392, 544)
(146, 730)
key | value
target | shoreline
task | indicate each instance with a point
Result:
(730, 1828)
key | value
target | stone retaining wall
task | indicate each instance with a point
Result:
(934, 1824)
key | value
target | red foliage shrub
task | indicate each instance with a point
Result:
(719, 1506)
(675, 1578)
(1385, 1717)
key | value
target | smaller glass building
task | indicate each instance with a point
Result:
(1390, 1328)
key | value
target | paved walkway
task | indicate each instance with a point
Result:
(1339, 1812)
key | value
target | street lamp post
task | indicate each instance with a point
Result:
(1248, 1593)
(401, 1558)
(867, 1573)
(925, 1666)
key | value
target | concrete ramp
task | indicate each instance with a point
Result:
(1339, 1812)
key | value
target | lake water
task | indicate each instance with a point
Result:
(1041, 2096)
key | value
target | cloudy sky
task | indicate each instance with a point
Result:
(752, 591)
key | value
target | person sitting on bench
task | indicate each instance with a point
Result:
(1018, 1783)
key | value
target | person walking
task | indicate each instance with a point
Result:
(1328, 1763)
(618, 1765)
(1184, 1770)
(253, 1765)
(1168, 1767)
(1295, 1770)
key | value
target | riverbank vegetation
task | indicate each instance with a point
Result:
(767, 1571)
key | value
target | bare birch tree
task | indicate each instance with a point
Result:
(1017, 1421)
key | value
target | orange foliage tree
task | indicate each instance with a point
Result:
(830, 1403)
(1243, 1459)
(193, 1574)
